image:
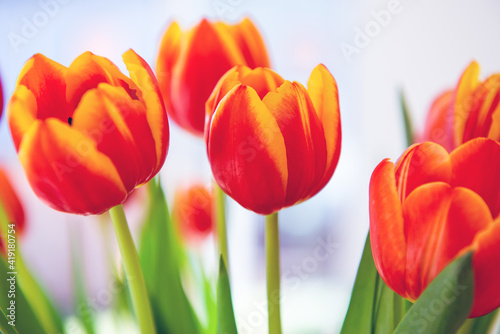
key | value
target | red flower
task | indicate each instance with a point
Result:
(193, 212)
(11, 206)
(191, 62)
(430, 208)
(87, 135)
(469, 111)
(273, 143)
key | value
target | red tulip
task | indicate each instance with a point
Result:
(87, 135)
(11, 206)
(190, 63)
(469, 111)
(273, 143)
(430, 208)
(192, 211)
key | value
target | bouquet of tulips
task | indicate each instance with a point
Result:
(89, 137)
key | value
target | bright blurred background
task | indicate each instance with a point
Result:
(422, 47)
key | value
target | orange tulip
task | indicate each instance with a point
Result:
(469, 111)
(193, 212)
(273, 143)
(87, 135)
(11, 206)
(430, 208)
(190, 63)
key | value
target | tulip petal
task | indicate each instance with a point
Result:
(88, 70)
(304, 139)
(439, 122)
(463, 100)
(476, 165)
(485, 102)
(494, 132)
(248, 40)
(142, 75)
(420, 164)
(22, 113)
(118, 127)
(262, 80)
(230, 79)
(45, 79)
(206, 55)
(169, 51)
(487, 294)
(247, 151)
(66, 170)
(440, 224)
(324, 94)
(387, 227)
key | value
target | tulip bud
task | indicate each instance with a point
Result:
(469, 111)
(87, 135)
(190, 63)
(430, 208)
(273, 143)
(193, 212)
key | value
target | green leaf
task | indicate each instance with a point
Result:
(446, 303)
(85, 318)
(5, 328)
(360, 314)
(479, 325)
(33, 297)
(384, 312)
(374, 307)
(210, 305)
(409, 130)
(482, 324)
(225, 312)
(161, 257)
(25, 319)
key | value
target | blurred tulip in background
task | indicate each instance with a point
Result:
(191, 62)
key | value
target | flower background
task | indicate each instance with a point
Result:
(423, 49)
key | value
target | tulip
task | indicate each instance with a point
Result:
(192, 211)
(469, 111)
(88, 135)
(431, 207)
(273, 143)
(12, 209)
(190, 63)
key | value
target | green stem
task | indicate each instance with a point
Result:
(220, 218)
(35, 296)
(273, 273)
(133, 272)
